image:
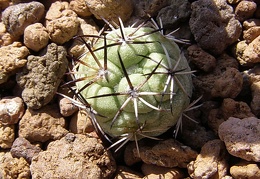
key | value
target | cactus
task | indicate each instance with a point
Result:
(135, 82)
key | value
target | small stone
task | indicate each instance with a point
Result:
(7, 134)
(23, 148)
(245, 169)
(252, 51)
(111, 10)
(12, 58)
(13, 167)
(61, 22)
(42, 75)
(228, 85)
(241, 137)
(67, 108)
(11, 110)
(247, 24)
(168, 153)
(123, 172)
(129, 154)
(214, 25)
(250, 34)
(81, 158)
(201, 59)
(238, 52)
(42, 125)
(80, 7)
(19, 16)
(245, 10)
(211, 162)
(5, 37)
(153, 172)
(80, 123)
(255, 91)
(36, 37)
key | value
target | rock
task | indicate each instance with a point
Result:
(111, 10)
(42, 75)
(12, 58)
(61, 23)
(228, 108)
(4, 4)
(23, 148)
(213, 25)
(19, 16)
(245, 9)
(233, 1)
(5, 37)
(241, 137)
(13, 167)
(11, 110)
(67, 108)
(123, 172)
(42, 125)
(255, 91)
(247, 24)
(238, 52)
(86, 27)
(174, 14)
(168, 153)
(205, 83)
(80, 7)
(36, 37)
(153, 172)
(80, 123)
(203, 60)
(228, 85)
(211, 162)
(74, 156)
(252, 51)
(129, 154)
(7, 134)
(245, 169)
(252, 33)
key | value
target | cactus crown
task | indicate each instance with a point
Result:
(135, 82)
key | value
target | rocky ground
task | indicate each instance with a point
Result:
(43, 135)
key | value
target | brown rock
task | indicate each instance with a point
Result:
(245, 169)
(67, 108)
(23, 148)
(252, 51)
(123, 172)
(241, 137)
(5, 37)
(129, 154)
(111, 10)
(7, 134)
(81, 123)
(255, 90)
(245, 9)
(74, 156)
(168, 153)
(11, 110)
(247, 24)
(228, 85)
(154, 172)
(42, 125)
(211, 162)
(13, 167)
(36, 37)
(203, 60)
(250, 34)
(80, 7)
(12, 58)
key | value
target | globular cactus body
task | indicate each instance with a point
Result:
(136, 80)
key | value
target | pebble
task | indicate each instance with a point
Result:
(11, 110)
(81, 157)
(17, 17)
(245, 9)
(42, 125)
(241, 137)
(7, 135)
(245, 169)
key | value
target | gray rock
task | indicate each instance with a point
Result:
(241, 137)
(74, 156)
(42, 75)
(213, 25)
(19, 16)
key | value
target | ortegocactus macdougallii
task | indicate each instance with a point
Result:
(135, 82)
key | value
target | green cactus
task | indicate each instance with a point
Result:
(135, 81)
